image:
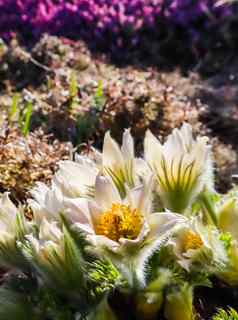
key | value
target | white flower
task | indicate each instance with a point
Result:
(76, 179)
(46, 203)
(121, 165)
(12, 228)
(124, 224)
(50, 236)
(50, 204)
(12, 221)
(46, 252)
(56, 257)
(196, 244)
(8, 214)
(182, 166)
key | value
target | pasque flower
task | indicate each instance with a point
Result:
(98, 228)
(182, 167)
(77, 178)
(122, 223)
(196, 245)
(120, 164)
(55, 256)
(13, 227)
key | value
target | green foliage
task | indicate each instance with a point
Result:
(24, 118)
(15, 306)
(105, 276)
(208, 201)
(21, 113)
(52, 306)
(67, 283)
(14, 107)
(162, 258)
(22, 299)
(73, 86)
(85, 125)
(230, 314)
(10, 253)
(87, 122)
(64, 268)
(99, 98)
(226, 238)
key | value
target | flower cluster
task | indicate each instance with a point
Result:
(117, 20)
(152, 228)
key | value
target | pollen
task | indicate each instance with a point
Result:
(120, 221)
(192, 241)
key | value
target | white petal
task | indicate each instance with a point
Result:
(49, 231)
(106, 193)
(187, 135)
(103, 241)
(95, 211)
(39, 192)
(74, 178)
(54, 202)
(83, 228)
(76, 210)
(142, 168)
(127, 146)
(163, 222)
(174, 145)
(139, 199)
(153, 149)
(94, 157)
(112, 155)
(7, 208)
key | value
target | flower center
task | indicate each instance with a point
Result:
(120, 221)
(192, 241)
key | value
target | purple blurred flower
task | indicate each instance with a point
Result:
(95, 19)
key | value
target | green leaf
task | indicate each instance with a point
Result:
(73, 86)
(25, 119)
(230, 314)
(99, 98)
(14, 107)
(207, 200)
(105, 276)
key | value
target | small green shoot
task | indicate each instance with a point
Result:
(24, 119)
(73, 86)
(14, 107)
(99, 98)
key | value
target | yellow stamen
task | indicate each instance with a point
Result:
(120, 221)
(192, 241)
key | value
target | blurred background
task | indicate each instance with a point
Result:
(71, 70)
